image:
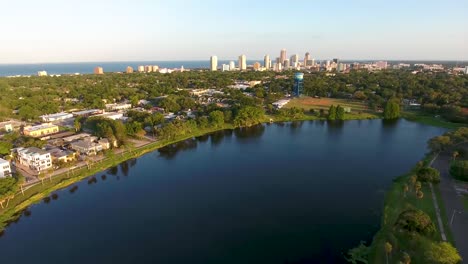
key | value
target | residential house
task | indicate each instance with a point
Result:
(56, 117)
(59, 155)
(5, 169)
(35, 158)
(86, 147)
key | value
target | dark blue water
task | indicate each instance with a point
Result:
(280, 193)
(88, 67)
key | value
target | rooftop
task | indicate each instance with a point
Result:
(39, 127)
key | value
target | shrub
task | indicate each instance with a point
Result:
(459, 169)
(427, 174)
(415, 221)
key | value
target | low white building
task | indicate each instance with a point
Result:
(55, 117)
(279, 104)
(36, 159)
(116, 107)
(5, 169)
(112, 115)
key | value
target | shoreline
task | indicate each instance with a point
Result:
(35, 193)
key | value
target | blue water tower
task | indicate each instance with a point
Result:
(298, 83)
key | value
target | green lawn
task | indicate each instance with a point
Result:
(308, 103)
(418, 116)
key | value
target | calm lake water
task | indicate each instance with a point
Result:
(280, 193)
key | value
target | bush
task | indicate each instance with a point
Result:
(415, 221)
(459, 170)
(427, 174)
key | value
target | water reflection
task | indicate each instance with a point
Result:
(217, 137)
(103, 177)
(74, 189)
(113, 170)
(335, 129)
(54, 196)
(133, 162)
(252, 132)
(124, 167)
(295, 126)
(203, 138)
(170, 151)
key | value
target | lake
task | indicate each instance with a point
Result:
(300, 192)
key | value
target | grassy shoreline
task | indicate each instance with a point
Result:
(38, 192)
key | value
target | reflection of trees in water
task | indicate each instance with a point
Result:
(249, 132)
(124, 167)
(103, 177)
(113, 170)
(295, 125)
(334, 128)
(203, 138)
(54, 196)
(132, 162)
(27, 212)
(390, 123)
(281, 124)
(217, 137)
(170, 151)
(74, 189)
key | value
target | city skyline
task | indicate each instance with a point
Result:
(161, 31)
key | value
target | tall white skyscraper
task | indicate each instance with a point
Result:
(294, 60)
(286, 65)
(266, 62)
(214, 63)
(225, 67)
(242, 63)
(232, 65)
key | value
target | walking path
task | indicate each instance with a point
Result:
(436, 206)
(455, 213)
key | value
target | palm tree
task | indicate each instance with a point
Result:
(417, 186)
(388, 249)
(420, 194)
(406, 259)
(405, 189)
(413, 180)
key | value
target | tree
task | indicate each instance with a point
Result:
(332, 113)
(392, 109)
(358, 254)
(5, 147)
(427, 174)
(413, 179)
(388, 249)
(340, 113)
(417, 186)
(419, 194)
(415, 221)
(406, 259)
(405, 189)
(455, 155)
(439, 143)
(217, 118)
(442, 253)
(77, 124)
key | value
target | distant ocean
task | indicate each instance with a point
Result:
(88, 67)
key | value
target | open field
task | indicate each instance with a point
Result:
(308, 103)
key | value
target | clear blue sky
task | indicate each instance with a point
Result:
(123, 30)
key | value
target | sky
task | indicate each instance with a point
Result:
(121, 30)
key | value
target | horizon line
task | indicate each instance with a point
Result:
(195, 60)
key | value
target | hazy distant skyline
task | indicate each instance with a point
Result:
(80, 31)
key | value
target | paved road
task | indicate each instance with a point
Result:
(453, 203)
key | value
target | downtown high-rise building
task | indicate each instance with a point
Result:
(98, 70)
(267, 62)
(129, 69)
(213, 63)
(294, 60)
(225, 67)
(232, 65)
(306, 59)
(141, 68)
(242, 63)
(282, 56)
(286, 64)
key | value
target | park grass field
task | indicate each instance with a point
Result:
(359, 110)
(308, 103)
